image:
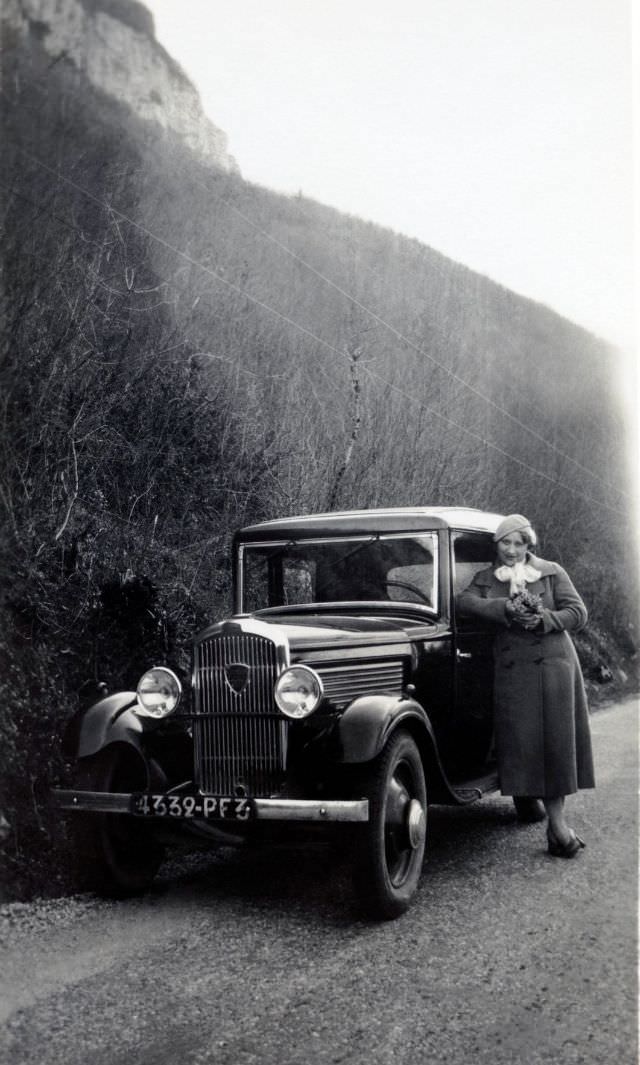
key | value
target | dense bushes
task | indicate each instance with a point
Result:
(124, 464)
(167, 381)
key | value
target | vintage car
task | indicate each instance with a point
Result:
(342, 697)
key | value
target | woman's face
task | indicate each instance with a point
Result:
(512, 549)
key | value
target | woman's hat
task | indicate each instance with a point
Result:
(514, 523)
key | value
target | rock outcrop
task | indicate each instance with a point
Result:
(112, 43)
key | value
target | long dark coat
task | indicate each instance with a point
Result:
(542, 736)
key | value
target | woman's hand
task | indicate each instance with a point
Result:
(527, 621)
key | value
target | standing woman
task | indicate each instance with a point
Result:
(543, 743)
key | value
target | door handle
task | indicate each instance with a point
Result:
(464, 654)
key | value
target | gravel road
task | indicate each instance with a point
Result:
(508, 957)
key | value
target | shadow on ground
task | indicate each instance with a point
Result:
(316, 877)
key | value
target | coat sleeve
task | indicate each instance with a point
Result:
(473, 603)
(569, 611)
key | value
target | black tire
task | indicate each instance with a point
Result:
(390, 849)
(116, 854)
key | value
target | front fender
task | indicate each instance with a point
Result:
(367, 724)
(368, 721)
(110, 720)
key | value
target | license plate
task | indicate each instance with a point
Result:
(219, 807)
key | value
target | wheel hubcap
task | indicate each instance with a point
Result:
(405, 825)
(416, 824)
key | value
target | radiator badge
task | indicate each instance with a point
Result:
(237, 676)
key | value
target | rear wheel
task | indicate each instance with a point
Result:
(117, 855)
(391, 846)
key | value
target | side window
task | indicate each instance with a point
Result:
(471, 553)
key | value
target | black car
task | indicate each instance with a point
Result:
(341, 698)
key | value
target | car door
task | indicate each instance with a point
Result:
(472, 718)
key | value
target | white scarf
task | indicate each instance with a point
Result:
(518, 575)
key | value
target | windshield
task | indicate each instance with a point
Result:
(398, 568)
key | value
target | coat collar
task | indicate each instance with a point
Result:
(546, 568)
(487, 576)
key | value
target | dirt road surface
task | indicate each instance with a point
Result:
(508, 957)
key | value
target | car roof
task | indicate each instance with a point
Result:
(382, 520)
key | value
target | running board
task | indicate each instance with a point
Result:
(472, 790)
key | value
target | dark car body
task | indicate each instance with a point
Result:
(364, 601)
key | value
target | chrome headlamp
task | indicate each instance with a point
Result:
(158, 693)
(298, 692)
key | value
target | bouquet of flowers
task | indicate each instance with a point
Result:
(526, 605)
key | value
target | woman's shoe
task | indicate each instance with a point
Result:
(564, 850)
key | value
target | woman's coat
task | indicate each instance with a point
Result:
(542, 736)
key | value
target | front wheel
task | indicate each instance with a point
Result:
(116, 854)
(391, 846)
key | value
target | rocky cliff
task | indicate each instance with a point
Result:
(112, 43)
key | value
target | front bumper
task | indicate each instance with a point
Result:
(311, 810)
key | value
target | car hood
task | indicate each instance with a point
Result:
(322, 636)
(305, 632)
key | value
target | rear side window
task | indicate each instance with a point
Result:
(471, 553)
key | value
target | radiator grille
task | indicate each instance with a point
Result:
(239, 736)
(342, 684)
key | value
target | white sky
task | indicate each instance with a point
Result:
(497, 131)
